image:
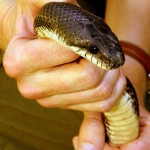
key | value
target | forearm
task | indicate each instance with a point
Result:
(137, 75)
(130, 22)
(7, 14)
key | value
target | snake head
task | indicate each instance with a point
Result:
(104, 53)
(101, 46)
(109, 56)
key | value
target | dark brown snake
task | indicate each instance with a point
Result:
(90, 37)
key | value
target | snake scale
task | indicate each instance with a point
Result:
(90, 37)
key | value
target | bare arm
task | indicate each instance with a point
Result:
(130, 21)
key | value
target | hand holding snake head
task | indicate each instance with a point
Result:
(82, 32)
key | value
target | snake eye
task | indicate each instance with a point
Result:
(93, 49)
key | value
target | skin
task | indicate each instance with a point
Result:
(130, 27)
(41, 73)
(41, 65)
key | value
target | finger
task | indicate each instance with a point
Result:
(103, 105)
(25, 55)
(106, 145)
(92, 99)
(68, 78)
(92, 133)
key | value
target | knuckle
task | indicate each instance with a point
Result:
(45, 103)
(89, 77)
(104, 106)
(28, 91)
(103, 91)
(14, 66)
(92, 121)
(49, 102)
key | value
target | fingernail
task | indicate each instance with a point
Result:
(86, 146)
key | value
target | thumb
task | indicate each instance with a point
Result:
(91, 134)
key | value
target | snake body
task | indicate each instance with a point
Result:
(90, 37)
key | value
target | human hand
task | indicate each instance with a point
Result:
(52, 80)
(92, 134)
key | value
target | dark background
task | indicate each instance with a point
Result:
(96, 7)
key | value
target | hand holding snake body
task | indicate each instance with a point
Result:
(90, 37)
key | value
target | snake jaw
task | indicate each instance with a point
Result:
(100, 60)
(107, 63)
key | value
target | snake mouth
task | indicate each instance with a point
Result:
(109, 61)
(100, 60)
(107, 64)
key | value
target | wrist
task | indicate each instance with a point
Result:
(136, 73)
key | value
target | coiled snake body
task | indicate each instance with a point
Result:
(90, 37)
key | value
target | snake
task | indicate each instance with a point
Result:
(91, 38)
